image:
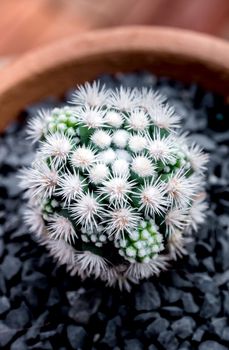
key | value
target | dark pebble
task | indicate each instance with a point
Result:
(185, 346)
(18, 318)
(168, 340)
(211, 306)
(147, 297)
(6, 334)
(32, 334)
(12, 223)
(173, 311)
(225, 334)
(146, 316)
(223, 252)
(73, 296)
(209, 264)
(1, 228)
(189, 304)
(205, 283)
(11, 182)
(198, 334)
(133, 344)
(222, 278)
(13, 248)
(2, 284)
(222, 137)
(3, 153)
(183, 327)
(15, 294)
(37, 280)
(193, 258)
(226, 302)
(111, 332)
(10, 267)
(211, 345)
(204, 141)
(83, 306)
(157, 326)
(54, 297)
(152, 347)
(1, 248)
(178, 281)
(34, 331)
(223, 220)
(49, 334)
(4, 304)
(76, 337)
(171, 294)
(208, 100)
(46, 345)
(19, 344)
(32, 297)
(196, 121)
(217, 325)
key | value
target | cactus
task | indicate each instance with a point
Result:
(115, 189)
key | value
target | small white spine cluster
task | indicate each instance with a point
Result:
(92, 118)
(101, 139)
(137, 143)
(98, 173)
(164, 117)
(120, 167)
(60, 227)
(117, 189)
(181, 188)
(40, 180)
(82, 158)
(114, 191)
(37, 126)
(70, 186)
(152, 198)
(143, 166)
(162, 148)
(86, 210)
(56, 147)
(119, 220)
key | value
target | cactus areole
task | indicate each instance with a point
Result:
(115, 189)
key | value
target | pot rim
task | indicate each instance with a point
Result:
(51, 70)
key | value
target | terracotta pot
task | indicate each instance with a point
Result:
(51, 70)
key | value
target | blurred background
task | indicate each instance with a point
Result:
(25, 24)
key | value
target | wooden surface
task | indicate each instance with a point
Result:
(26, 24)
(50, 71)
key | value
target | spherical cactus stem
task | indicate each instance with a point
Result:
(114, 188)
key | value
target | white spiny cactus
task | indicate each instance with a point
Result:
(114, 190)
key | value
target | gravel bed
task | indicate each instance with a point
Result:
(42, 307)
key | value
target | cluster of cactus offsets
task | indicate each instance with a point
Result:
(115, 189)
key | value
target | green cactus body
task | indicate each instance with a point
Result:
(113, 171)
(143, 245)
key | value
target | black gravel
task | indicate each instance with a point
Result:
(42, 307)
